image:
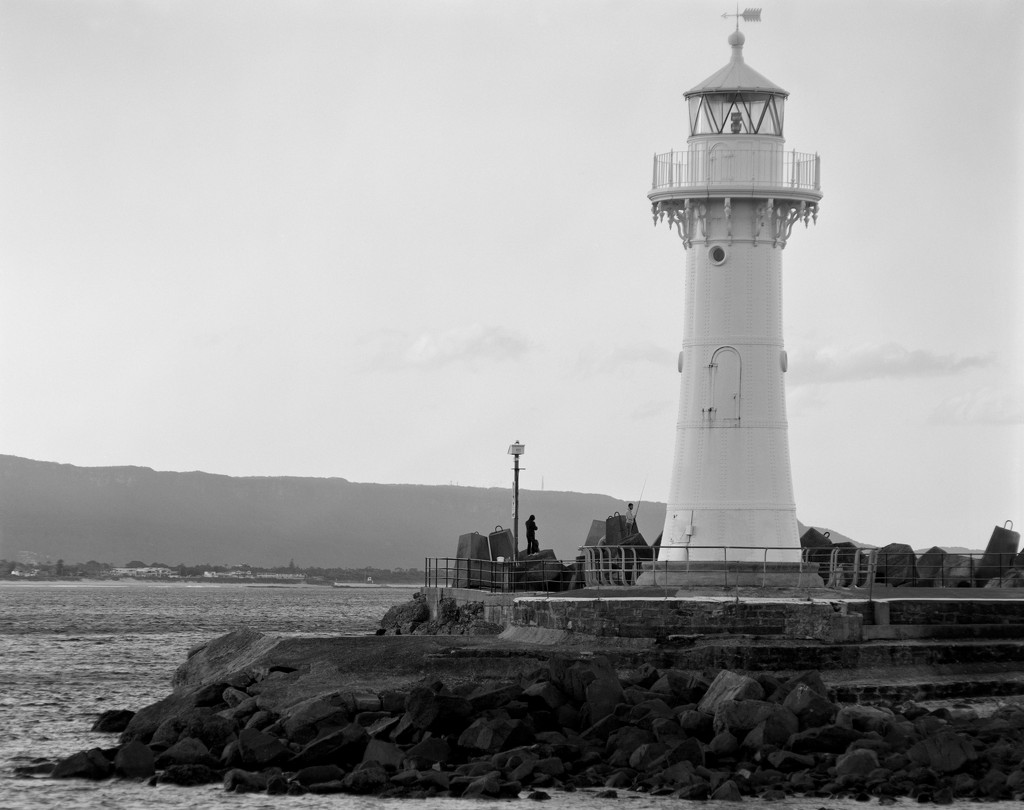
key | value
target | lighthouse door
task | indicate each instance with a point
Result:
(725, 387)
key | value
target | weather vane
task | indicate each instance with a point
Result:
(748, 15)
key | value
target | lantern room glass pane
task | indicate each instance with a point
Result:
(695, 115)
(755, 109)
(777, 109)
(707, 122)
(716, 106)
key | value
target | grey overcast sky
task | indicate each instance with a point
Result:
(383, 240)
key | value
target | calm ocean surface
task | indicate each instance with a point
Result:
(71, 651)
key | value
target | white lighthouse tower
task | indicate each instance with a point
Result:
(733, 196)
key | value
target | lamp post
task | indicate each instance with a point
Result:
(516, 450)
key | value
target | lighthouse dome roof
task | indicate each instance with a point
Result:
(737, 75)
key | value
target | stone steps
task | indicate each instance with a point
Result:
(877, 632)
(868, 672)
(754, 654)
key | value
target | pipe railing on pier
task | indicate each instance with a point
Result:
(614, 566)
(621, 566)
(502, 575)
(861, 569)
(839, 568)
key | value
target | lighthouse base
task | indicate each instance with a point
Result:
(683, 574)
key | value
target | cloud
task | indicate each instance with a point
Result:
(983, 406)
(871, 362)
(619, 359)
(471, 344)
(804, 399)
(652, 408)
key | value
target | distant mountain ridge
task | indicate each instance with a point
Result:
(116, 514)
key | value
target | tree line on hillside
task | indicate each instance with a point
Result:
(104, 570)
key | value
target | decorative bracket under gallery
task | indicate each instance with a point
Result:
(779, 219)
(685, 218)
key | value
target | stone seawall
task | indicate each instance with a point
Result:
(946, 612)
(496, 608)
(661, 619)
(638, 616)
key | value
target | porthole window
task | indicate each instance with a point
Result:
(717, 254)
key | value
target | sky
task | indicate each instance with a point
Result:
(383, 241)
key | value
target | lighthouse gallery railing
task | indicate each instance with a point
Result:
(737, 167)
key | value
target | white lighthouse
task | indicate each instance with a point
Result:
(733, 196)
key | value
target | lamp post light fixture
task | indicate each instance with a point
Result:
(516, 450)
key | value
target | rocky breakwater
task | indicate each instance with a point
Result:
(244, 716)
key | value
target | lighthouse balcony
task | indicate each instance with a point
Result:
(724, 172)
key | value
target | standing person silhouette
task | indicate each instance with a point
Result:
(532, 546)
(630, 519)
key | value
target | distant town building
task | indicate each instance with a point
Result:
(155, 572)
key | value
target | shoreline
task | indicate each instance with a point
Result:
(19, 582)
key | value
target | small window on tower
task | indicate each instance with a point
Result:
(717, 254)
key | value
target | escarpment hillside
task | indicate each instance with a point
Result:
(117, 514)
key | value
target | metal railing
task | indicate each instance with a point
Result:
(737, 167)
(848, 571)
(621, 566)
(864, 568)
(503, 576)
(729, 566)
(614, 565)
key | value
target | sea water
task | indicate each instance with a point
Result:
(69, 651)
